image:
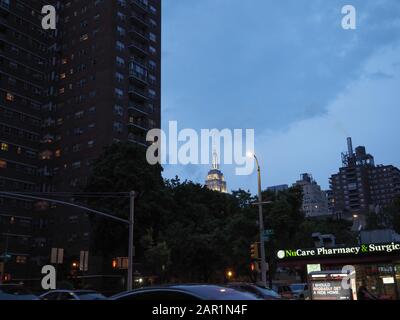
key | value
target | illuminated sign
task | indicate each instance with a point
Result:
(329, 290)
(364, 249)
(313, 268)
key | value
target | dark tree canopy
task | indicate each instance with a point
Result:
(185, 232)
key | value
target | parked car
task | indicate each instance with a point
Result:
(283, 290)
(300, 291)
(72, 295)
(185, 293)
(258, 291)
(16, 292)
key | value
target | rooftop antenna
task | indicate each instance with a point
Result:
(350, 147)
(215, 164)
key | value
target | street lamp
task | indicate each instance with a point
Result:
(261, 224)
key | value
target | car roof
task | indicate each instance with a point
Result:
(69, 291)
(193, 289)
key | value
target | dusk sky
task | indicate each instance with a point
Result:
(290, 71)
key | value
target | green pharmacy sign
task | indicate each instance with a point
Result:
(364, 249)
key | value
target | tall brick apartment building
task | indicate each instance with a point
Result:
(64, 95)
(361, 186)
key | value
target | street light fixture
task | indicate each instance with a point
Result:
(261, 223)
(229, 274)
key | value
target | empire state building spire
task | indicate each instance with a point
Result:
(215, 165)
(215, 178)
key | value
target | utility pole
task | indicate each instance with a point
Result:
(131, 253)
(261, 225)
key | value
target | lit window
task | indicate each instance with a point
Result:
(9, 97)
(20, 260)
(4, 147)
(3, 164)
(84, 37)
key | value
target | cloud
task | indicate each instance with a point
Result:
(367, 110)
(380, 75)
(287, 69)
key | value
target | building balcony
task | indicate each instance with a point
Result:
(138, 109)
(142, 5)
(139, 48)
(139, 33)
(140, 20)
(5, 4)
(138, 139)
(138, 124)
(139, 93)
(139, 61)
(139, 77)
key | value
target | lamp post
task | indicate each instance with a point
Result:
(261, 225)
(130, 248)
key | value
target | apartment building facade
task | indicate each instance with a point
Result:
(65, 95)
(315, 201)
(361, 187)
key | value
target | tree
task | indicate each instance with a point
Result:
(157, 257)
(121, 168)
(387, 217)
(187, 233)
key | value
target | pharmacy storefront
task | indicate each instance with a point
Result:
(376, 266)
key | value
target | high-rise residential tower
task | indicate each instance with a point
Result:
(65, 94)
(361, 187)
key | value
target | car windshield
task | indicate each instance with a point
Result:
(297, 287)
(90, 296)
(269, 292)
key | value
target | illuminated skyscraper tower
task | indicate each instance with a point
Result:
(215, 178)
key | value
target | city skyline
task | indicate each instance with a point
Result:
(302, 82)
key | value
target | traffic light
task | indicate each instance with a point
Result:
(114, 264)
(254, 251)
(255, 266)
(120, 263)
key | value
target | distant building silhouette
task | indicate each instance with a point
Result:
(361, 187)
(315, 201)
(276, 189)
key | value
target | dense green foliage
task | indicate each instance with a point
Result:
(389, 217)
(185, 232)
